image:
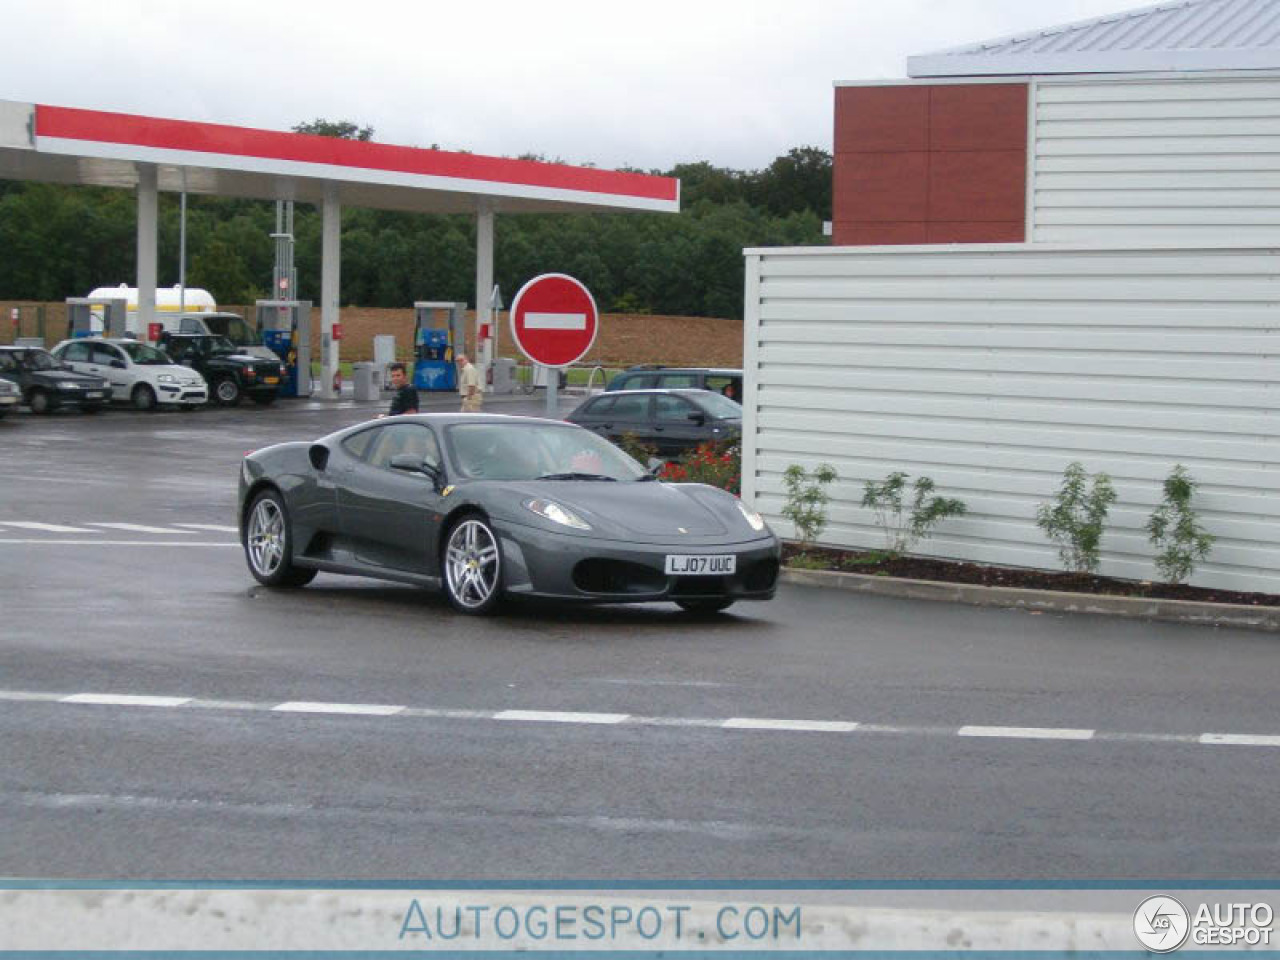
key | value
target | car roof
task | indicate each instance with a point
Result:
(451, 419)
(672, 391)
(646, 368)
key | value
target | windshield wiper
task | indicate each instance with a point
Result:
(576, 476)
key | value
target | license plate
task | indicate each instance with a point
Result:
(701, 565)
(94, 394)
(270, 379)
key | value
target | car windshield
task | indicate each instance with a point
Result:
(532, 450)
(720, 407)
(40, 360)
(219, 345)
(144, 355)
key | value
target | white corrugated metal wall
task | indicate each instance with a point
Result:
(1192, 160)
(990, 368)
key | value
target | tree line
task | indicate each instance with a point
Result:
(61, 241)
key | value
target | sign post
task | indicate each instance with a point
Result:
(554, 322)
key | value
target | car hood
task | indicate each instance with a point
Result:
(640, 511)
(54, 376)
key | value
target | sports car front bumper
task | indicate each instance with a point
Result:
(541, 563)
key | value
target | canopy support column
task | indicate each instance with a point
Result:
(330, 263)
(148, 244)
(484, 287)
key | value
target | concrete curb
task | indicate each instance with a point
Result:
(1141, 608)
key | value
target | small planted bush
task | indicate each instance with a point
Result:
(717, 463)
(807, 500)
(1176, 531)
(906, 524)
(1076, 518)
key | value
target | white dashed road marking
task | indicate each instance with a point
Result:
(1027, 733)
(134, 527)
(761, 725)
(47, 527)
(551, 716)
(215, 527)
(358, 709)
(118, 543)
(125, 700)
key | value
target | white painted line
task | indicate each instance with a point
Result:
(555, 321)
(118, 543)
(1241, 739)
(1027, 733)
(551, 716)
(134, 527)
(125, 700)
(215, 527)
(50, 527)
(357, 709)
(806, 726)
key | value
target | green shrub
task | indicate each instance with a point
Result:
(904, 527)
(1077, 517)
(807, 500)
(1175, 529)
(716, 462)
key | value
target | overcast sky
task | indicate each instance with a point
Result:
(646, 84)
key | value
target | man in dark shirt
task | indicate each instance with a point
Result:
(406, 398)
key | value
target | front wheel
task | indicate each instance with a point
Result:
(226, 392)
(704, 606)
(473, 566)
(267, 546)
(143, 397)
(39, 402)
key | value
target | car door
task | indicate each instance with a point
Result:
(76, 356)
(677, 424)
(391, 518)
(110, 362)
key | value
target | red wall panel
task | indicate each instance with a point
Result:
(939, 163)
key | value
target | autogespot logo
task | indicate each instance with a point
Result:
(1161, 924)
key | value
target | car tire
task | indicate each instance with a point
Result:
(268, 546)
(471, 563)
(264, 399)
(704, 606)
(38, 401)
(226, 392)
(143, 397)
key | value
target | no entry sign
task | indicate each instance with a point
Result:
(554, 320)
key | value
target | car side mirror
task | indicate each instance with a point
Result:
(654, 465)
(410, 463)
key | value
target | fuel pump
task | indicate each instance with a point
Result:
(286, 332)
(434, 346)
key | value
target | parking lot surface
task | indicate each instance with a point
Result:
(163, 716)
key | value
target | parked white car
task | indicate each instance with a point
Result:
(139, 373)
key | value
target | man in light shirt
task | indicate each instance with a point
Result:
(469, 385)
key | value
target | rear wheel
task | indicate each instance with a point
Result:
(267, 544)
(38, 400)
(704, 606)
(143, 397)
(473, 566)
(226, 392)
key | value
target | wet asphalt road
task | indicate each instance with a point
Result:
(546, 743)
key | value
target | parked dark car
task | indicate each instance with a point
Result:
(673, 421)
(47, 384)
(231, 372)
(725, 380)
(486, 506)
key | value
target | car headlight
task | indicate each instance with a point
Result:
(68, 385)
(167, 378)
(550, 510)
(753, 518)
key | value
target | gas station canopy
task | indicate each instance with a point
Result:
(91, 147)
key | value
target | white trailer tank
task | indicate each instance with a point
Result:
(170, 303)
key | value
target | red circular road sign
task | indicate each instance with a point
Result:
(554, 320)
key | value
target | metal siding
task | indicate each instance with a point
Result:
(1185, 161)
(990, 369)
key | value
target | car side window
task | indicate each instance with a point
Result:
(103, 353)
(599, 406)
(358, 443)
(672, 408)
(404, 438)
(678, 380)
(631, 408)
(76, 353)
(7, 363)
(636, 381)
(177, 349)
